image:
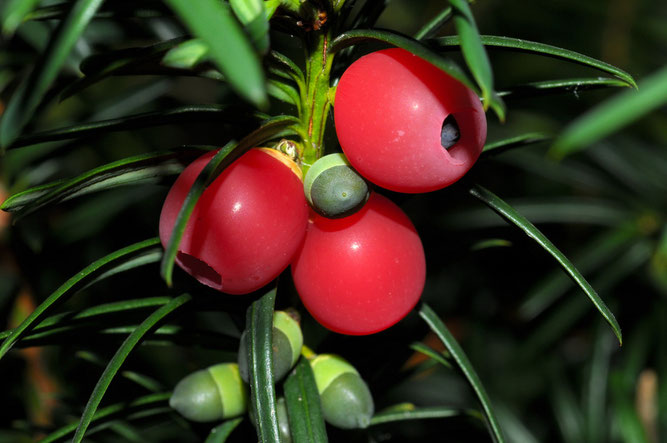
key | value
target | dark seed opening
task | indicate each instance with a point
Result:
(450, 133)
(200, 270)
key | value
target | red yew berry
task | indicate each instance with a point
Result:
(406, 125)
(247, 224)
(363, 273)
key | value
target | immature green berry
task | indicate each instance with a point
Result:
(346, 400)
(211, 394)
(333, 188)
(287, 343)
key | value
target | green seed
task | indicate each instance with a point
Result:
(347, 402)
(333, 188)
(211, 394)
(287, 343)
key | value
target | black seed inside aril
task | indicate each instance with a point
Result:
(450, 133)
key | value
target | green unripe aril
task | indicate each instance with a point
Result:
(211, 394)
(333, 188)
(347, 402)
(287, 343)
(283, 421)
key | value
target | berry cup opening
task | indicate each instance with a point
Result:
(450, 133)
(462, 136)
(199, 270)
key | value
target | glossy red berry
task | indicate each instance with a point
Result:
(363, 273)
(247, 224)
(406, 125)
